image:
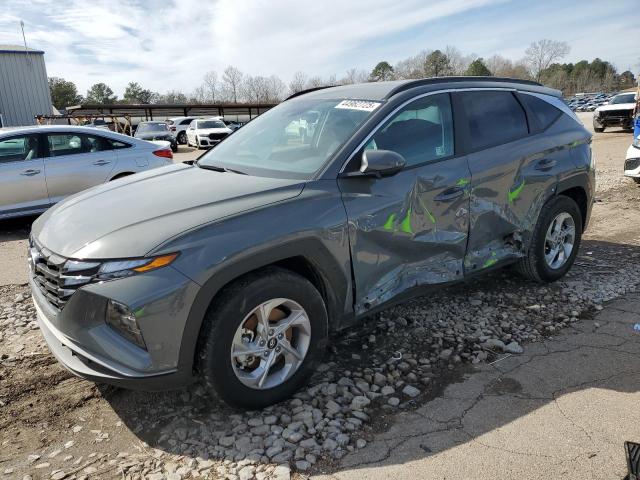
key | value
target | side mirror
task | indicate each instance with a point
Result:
(381, 163)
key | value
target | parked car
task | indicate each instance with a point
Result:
(632, 161)
(39, 166)
(232, 124)
(179, 125)
(618, 112)
(237, 267)
(97, 123)
(207, 132)
(156, 132)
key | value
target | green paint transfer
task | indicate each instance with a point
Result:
(490, 261)
(463, 182)
(515, 194)
(405, 226)
(388, 225)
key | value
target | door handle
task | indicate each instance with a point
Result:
(545, 164)
(30, 172)
(101, 162)
(449, 194)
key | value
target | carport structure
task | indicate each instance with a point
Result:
(242, 112)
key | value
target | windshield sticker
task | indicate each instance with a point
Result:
(365, 105)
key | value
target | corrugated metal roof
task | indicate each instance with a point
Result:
(18, 49)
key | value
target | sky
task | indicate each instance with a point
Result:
(170, 44)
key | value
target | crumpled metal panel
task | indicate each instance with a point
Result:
(401, 236)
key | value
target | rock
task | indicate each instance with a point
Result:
(359, 402)
(361, 443)
(282, 457)
(329, 445)
(411, 391)
(387, 390)
(303, 465)
(513, 347)
(394, 401)
(246, 473)
(227, 441)
(58, 475)
(281, 472)
(332, 407)
(494, 344)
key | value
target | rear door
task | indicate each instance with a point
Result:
(409, 229)
(76, 162)
(513, 172)
(22, 180)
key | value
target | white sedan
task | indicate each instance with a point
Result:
(207, 132)
(39, 166)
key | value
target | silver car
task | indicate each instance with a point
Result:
(39, 166)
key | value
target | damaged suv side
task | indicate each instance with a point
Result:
(236, 268)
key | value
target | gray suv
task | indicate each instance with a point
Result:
(236, 268)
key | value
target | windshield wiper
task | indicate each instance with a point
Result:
(217, 168)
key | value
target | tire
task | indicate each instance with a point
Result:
(534, 265)
(182, 138)
(598, 129)
(232, 309)
(174, 148)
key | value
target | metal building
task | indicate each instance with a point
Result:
(24, 88)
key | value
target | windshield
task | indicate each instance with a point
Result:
(626, 98)
(211, 124)
(292, 140)
(151, 127)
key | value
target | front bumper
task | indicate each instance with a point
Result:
(632, 162)
(89, 348)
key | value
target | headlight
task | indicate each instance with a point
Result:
(126, 268)
(124, 321)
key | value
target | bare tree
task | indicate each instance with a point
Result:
(275, 89)
(458, 62)
(298, 82)
(232, 80)
(199, 95)
(353, 75)
(315, 82)
(210, 86)
(539, 55)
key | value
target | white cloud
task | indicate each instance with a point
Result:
(170, 44)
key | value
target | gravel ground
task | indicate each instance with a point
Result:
(53, 425)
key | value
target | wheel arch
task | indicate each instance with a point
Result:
(579, 195)
(310, 259)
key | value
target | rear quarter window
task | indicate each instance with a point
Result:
(493, 118)
(543, 112)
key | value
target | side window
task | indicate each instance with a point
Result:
(186, 122)
(420, 132)
(544, 112)
(116, 144)
(71, 144)
(493, 118)
(25, 147)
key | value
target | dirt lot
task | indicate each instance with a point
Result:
(53, 425)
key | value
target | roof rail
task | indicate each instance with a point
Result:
(308, 90)
(434, 80)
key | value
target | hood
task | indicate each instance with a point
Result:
(207, 131)
(617, 106)
(131, 216)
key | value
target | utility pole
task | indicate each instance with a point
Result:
(24, 39)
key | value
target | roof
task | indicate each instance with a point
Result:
(385, 90)
(18, 49)
(58, 128)
(165, 106)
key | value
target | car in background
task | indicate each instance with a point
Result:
(178, 126)
(618, 112)
(632, 161)
(237, 267)
(39, 166)
(156, 132)
(97, 123)
(207, 132)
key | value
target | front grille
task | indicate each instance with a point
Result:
(617, 114)
(57, 277)
(217, 136)
(632, 164)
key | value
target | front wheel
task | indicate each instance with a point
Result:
(555, 241)
(262, 337)
(182, 138)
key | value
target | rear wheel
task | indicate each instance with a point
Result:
(182, 138)
(262, 338)
(555, 241)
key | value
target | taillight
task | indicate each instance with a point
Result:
(165, 153)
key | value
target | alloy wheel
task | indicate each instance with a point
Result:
(271, 343)
(559, 241)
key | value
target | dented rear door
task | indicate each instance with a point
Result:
(409, 229)
(513, 173)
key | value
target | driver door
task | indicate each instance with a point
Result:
(409, 229)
